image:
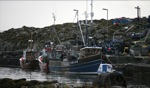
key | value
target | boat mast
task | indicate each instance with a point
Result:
(92, 13)
(86, 22)
(30, 43)
(86, 28)
(54, 28)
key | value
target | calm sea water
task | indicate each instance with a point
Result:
(18, 73)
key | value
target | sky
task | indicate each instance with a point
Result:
(38, 13)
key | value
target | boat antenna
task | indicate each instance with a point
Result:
(54, 28)
(77, 14)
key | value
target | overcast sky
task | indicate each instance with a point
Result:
(15, 14)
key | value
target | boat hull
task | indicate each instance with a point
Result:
(89, 67)
(29, 65)
(43, 66)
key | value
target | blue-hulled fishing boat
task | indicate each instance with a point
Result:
(88, 62)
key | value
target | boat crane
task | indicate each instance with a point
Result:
(77, 14)
(147, 36)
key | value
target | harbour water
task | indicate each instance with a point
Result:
(18, 73)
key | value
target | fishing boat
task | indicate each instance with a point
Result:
(87, 63)
(43, 59)
(29, 58)
(44, 56)
(50, 52)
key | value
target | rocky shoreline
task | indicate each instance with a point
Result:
(100, 82)
(23, 83)
(108, 79)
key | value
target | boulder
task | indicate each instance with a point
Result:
(107, 80)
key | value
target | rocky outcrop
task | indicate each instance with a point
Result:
(110, 79)
(23, 83)
(14, 40)
(17, 39)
